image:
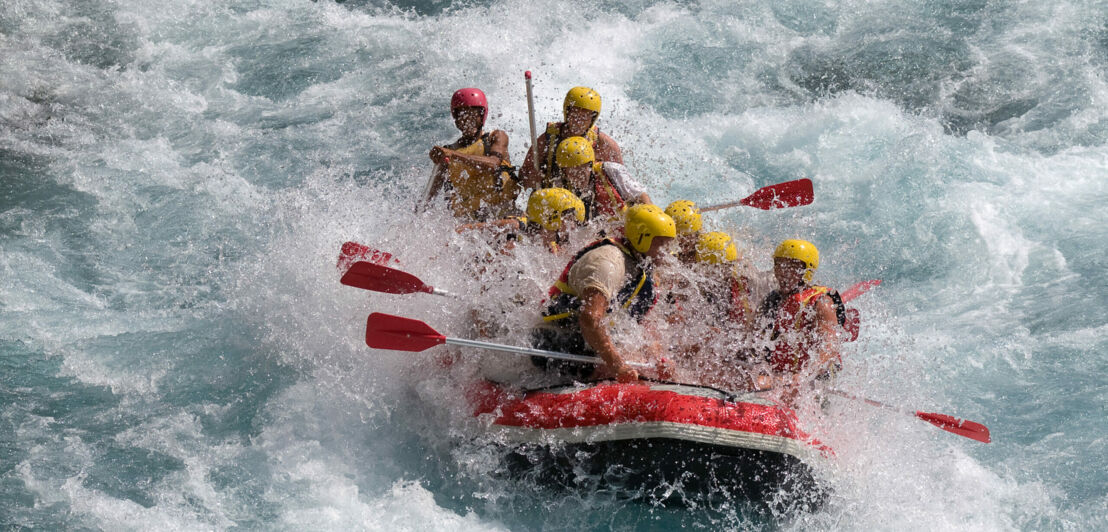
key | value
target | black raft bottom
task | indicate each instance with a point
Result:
(671, 472)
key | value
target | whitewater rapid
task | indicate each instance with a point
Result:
(176, 178)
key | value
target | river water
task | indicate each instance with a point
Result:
(176, 178)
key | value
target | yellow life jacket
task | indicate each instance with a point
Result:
(480, 194)
(548, 167)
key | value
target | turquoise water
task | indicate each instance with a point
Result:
(176, 178)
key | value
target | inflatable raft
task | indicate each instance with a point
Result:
(662, 440)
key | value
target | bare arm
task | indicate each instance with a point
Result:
(510, 223)
(499, 145)
(440, 156)
(529, 174)
(828, 325)
(608, 150)
(594, 307)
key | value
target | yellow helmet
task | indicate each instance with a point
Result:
(644, 222)
(800, 250)
(716, 248)
(546, 207)
(685, 215)
(582, 97)
(574, 151)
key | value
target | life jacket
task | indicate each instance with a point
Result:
(636, 295)
(794, 321)
(604, 199)
(548, 166)
(740, 309)
(480, 194)
(725, 299)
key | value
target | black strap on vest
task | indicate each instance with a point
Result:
(773, 302)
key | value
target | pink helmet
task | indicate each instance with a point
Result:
(470, 98)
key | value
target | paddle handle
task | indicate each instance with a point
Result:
(528, 351)
(440, 292)
(530, 107)
(434, 183)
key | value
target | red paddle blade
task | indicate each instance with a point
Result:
(352, 252)
(853, 324)
(859, 289)
(370, 276)
(385, 331)
(787, 194)
(961, 427)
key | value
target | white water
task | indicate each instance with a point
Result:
(177, 179)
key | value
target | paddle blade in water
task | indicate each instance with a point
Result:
(961, 427)
(385, 331)
(378, 278)
(352, 252)
(787, 194)
(853, 324)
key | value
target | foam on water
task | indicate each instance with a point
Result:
(177, 353)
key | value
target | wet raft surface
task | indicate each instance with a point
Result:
(666, 443)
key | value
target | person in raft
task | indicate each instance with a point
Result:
(697, 247)
(689, 223)
(552, 213)
(606, 277)
(606, 188)
(803, 321)
(474, 172)
(580, 111)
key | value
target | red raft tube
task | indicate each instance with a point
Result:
(668, 442)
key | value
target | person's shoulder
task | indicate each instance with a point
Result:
(825, 300)
(607, 253)
(606, 249)
(614, 167)
(603, 137)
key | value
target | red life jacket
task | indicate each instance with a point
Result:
(739, 310)
(606, 199)
(794, 327)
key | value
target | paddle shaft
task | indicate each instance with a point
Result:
(871, 402)
(721, 206)
(528, 351)
(962, 427)
(530, 108)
